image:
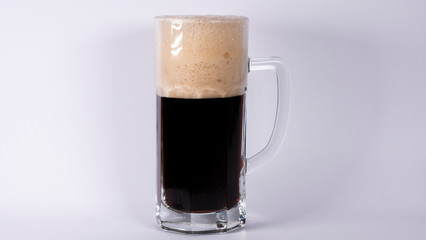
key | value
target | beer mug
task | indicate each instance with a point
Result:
(201, 67)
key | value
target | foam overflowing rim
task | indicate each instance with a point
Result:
(203, 18)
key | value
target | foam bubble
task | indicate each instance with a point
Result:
(201, 56)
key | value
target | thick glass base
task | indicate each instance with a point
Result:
(213, 222)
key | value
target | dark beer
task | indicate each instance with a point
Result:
(201, 152)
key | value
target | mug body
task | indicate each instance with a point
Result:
(201, 67)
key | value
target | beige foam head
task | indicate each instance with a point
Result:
(201, 56)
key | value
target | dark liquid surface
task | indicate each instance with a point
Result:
(200, 149)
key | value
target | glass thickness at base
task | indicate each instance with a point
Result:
(197, 223)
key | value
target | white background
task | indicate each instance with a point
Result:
(77, 119)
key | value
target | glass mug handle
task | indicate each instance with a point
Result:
(276, 140)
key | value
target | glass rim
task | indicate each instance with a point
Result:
(203, 18)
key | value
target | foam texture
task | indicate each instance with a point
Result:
(201, 56)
